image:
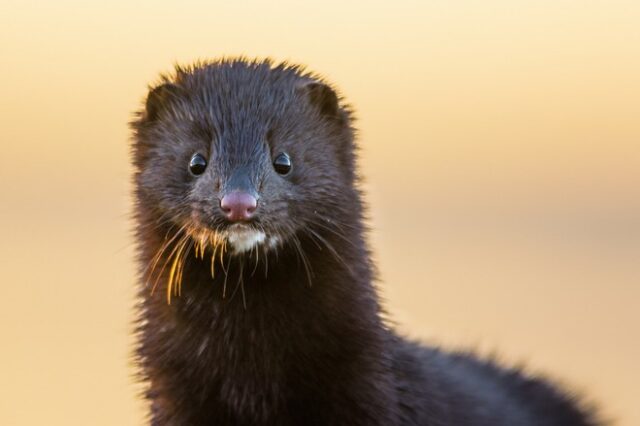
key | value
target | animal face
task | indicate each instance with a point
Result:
(243, 155)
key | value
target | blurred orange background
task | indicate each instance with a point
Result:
(501, 150)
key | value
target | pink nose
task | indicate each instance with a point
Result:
(238, 206)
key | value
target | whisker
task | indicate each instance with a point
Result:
(226, 273)
(337, 223)
(240, 284)
(244, 299)
(331, 249)
(257, 248)
(156, 258)
(328, 228)
(172, 272)
(266, 263)
(303, 257)
(213, 261)
(178, 244)
(180, 271)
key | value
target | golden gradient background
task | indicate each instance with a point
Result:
(501, 149)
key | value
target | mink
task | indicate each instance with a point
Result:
(257, 299)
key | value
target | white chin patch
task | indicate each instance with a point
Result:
(242, 240)
(274, 242)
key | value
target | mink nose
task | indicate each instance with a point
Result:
(238, 206)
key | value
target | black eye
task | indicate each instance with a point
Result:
(282, 163)
(198, 164)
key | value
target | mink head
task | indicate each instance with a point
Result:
(243, 154)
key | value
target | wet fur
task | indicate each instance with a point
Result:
(290, 334)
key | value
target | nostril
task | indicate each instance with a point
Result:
(238, 206)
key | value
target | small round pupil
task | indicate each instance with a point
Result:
(282, 163)
(198, 164)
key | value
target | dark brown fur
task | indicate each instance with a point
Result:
(290, 335)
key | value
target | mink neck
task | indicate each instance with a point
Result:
(319, 280)
(278, 338)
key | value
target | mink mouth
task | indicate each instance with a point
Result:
(236, 238)
(243, 237)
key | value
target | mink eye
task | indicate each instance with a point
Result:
(282, 163)
(197, 164)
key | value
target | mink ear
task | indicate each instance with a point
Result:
(159, 98)
(323, 98)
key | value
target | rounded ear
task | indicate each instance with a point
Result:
(159, 98)
(323, 98)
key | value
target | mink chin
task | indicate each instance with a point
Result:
(257, 302)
